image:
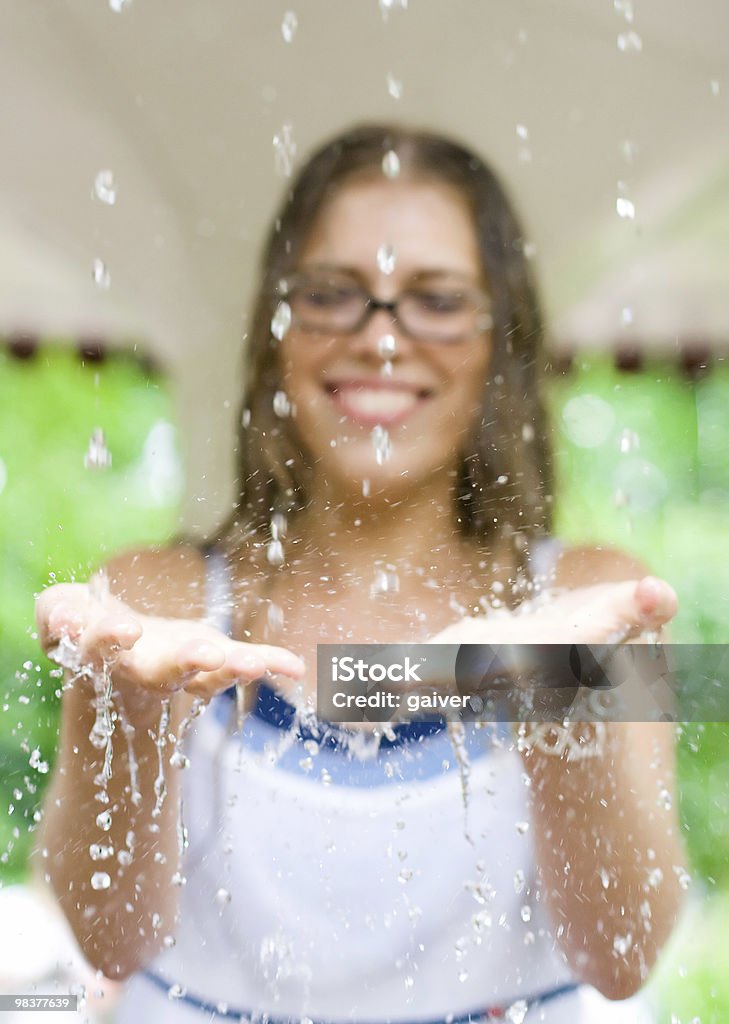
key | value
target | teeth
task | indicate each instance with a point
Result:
(379, 401)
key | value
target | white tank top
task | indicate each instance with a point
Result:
(331, 880)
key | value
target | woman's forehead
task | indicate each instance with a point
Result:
(424, 223)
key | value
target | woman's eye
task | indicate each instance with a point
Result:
(440, 302)
(328, 296)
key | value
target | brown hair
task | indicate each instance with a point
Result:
(505, 479)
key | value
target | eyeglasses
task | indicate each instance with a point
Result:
(437, 308)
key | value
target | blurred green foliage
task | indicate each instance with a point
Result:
(642, 464)
(58, 520)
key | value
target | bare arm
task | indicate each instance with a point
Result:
(609, 851)
(116, 879)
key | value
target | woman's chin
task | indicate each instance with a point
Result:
(369, 472)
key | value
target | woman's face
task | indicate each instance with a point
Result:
(349, 388)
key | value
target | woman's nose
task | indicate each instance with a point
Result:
(381, 337)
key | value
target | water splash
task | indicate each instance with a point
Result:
(284, 149)
(160, 741)
(457, 736)
(391, 165)
(105, 187)
(289, 26)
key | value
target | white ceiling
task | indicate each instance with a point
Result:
(181, 100)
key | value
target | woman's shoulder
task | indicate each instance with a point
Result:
(168, 581)
(583, 565)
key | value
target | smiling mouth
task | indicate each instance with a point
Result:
(370, 404)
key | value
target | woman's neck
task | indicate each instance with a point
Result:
(413, 532)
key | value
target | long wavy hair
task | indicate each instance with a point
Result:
(505, 478)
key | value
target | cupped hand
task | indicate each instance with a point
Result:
(604, 613)
(149, 653)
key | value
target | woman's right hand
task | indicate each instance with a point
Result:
(149, 656)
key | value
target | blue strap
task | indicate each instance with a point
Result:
(271, 707)
(224, 1012)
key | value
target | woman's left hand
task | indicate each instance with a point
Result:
(601, 614)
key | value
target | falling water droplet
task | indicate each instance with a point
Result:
(625, 7)
(519, 881)
(621, 944)
(522, 827)
(626, 316)
(381, 443)
(35, 761)
(281, 405)
(629, 442)
(100, 274)
(275, 552)
(281, 321)
(517, 1012)
(527, 433)
(386, 258)
(684, 878)
(387, 346)
(105, 187)
(388, 5)
(628, 150)
(97, 456)
(625, 208)
(365, 488)
(284, 149)
(526, 913)
(394, 86)
(103, 820)
(222, 897)
(665, 800)
(118, 5)
(176, 991)
(604, 878)
(100, 880)
(522, 131)
(630, 42)
(655, 877)
(97, 851)
(289, 25)
(391, 164)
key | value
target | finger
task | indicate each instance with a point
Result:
(106, 637)
(279, 660)
(61, 610)
(164, 666)
(657, 600)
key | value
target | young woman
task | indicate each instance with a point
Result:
(394, 487)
